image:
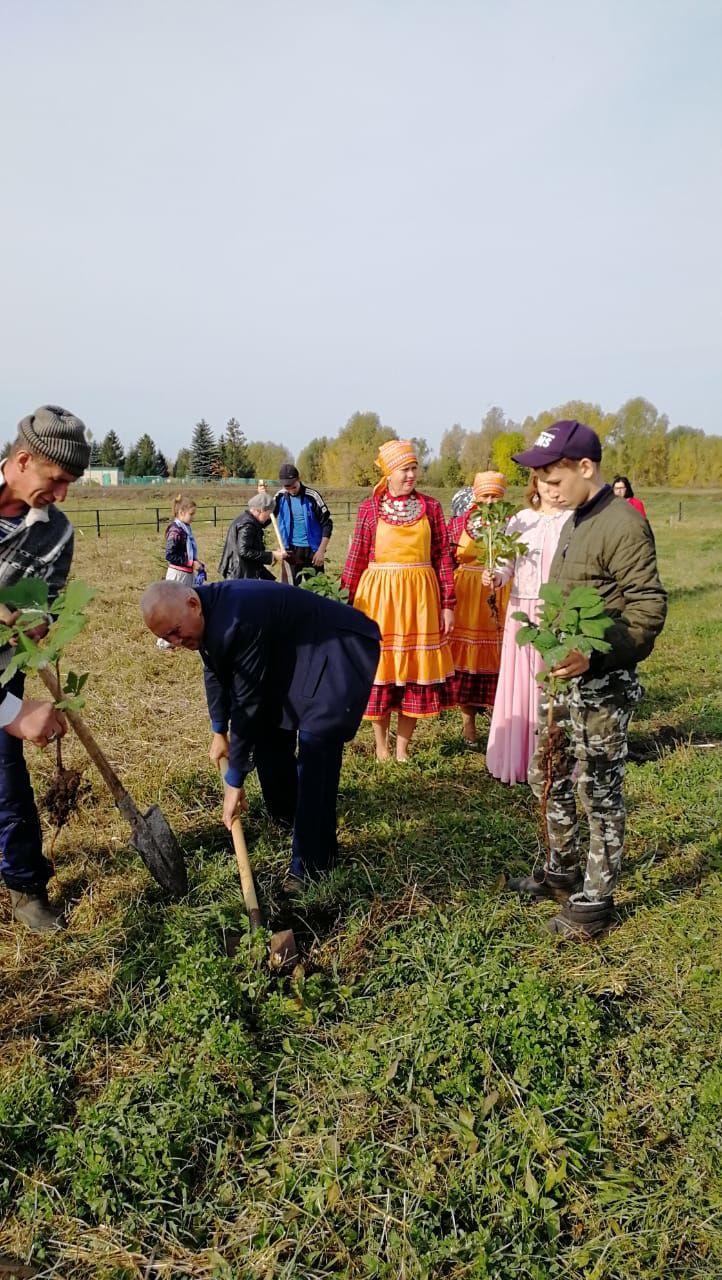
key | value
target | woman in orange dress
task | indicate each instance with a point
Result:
(399, 572)
(478, 629)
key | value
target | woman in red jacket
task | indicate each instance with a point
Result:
(623, 489)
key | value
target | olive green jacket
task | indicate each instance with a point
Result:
(610, 546)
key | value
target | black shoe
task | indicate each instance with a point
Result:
(582, 920)
(557, 885)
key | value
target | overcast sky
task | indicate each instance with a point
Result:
(288, 210)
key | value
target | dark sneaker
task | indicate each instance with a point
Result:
(582, 920)
(556, 885)
(34, 911)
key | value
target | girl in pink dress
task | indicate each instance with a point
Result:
(513, 722)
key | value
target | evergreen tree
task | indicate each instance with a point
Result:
(161, 462)
(204, 450)
(111, 451)
(234, 454)
(131, 463)
(147, 456)
(95, 457)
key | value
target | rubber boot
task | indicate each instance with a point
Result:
(557, 885)
(33, 910)
(582, 919)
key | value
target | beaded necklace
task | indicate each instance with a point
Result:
(406, 509)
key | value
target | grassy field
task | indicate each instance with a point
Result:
(450, 1091)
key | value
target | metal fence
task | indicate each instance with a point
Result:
(158, 518)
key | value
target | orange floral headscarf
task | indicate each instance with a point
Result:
(489, 484)
(393, 454)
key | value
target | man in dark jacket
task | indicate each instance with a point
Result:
(278, 663)
(304, 521)
(608, 546)
(244, 554)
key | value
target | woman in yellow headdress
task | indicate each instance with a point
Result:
(399, 572)
(478, 629)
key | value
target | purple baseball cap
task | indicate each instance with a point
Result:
(563, 439)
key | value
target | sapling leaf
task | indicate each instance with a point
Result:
(545, 640)
(75, 597)
(525, 634)
(27, 593)
(555, 656)
(552, 593)
(595, 626)
(583, 597)
(520, 616)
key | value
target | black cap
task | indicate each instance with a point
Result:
(287, 473)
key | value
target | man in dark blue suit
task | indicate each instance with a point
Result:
(280, 665)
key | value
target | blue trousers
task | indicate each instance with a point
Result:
(22, 865)
(301, 790)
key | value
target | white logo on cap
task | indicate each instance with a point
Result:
(544, 440)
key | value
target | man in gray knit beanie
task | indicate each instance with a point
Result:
(36, 540)
(57, 435)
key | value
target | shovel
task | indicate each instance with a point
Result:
(151, 836)
(286, 570)
(282, 950)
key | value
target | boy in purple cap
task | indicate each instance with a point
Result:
(607, 545)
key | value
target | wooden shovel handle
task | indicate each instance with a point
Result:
(244, 863)
(286, 570)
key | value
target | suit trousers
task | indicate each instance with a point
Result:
(299, 781)
(22, 865)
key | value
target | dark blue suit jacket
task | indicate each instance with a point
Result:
(280, 656)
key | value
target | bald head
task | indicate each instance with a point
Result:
(172, 611)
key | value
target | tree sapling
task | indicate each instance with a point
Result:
(39, 633)
(576, 621)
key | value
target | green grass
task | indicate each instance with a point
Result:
(449, 1091)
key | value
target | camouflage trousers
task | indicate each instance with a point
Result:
(595, 715)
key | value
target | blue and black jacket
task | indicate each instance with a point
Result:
(318, 517)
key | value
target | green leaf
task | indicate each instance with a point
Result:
(552, 657)
(569, 619)
(583, 597)
(525, 634)
(593, 611)
(546, 640)
(552, 593)
(28, 593)
(520, 616)
(75, 596)
(595, 626)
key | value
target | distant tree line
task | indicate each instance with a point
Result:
(637, 440)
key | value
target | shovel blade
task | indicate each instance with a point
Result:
(282, 951)
(153, 839)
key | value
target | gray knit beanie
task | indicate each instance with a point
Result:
(58, 435)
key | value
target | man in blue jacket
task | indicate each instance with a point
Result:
(304, 521)
(277, 663)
